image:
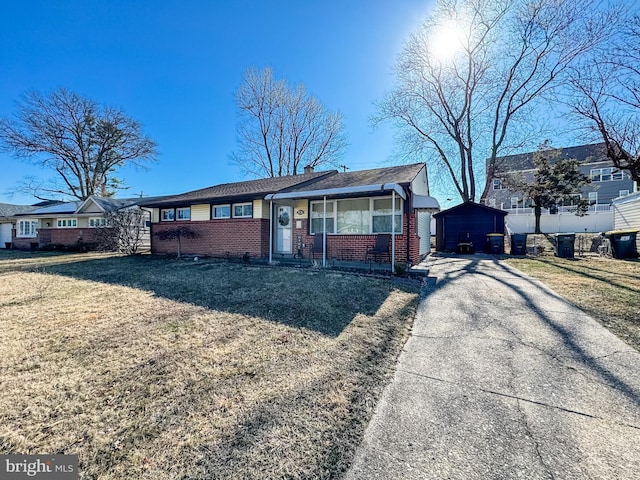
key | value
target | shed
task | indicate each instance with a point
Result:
(471, 220)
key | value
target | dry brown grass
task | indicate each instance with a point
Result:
(606, 288)
(165, 369)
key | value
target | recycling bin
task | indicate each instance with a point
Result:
(518, 244)
(623, 243)
(565, 245)
(495, 243)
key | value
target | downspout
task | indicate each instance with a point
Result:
(407, 211)
(393, 230)
(324, 230)
(270, 231)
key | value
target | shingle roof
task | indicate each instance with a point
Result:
(108, 204)
(9, 209)
(249, 188)
(583, 153)
(402, 174)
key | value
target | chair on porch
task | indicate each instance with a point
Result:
(317, 246)
(380, 248)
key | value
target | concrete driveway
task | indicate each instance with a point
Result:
(501, 378)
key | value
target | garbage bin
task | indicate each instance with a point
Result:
(518, 244)
(495, 243)
(7, 245)
(565, 245)
(623, 243)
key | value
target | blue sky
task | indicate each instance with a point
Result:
(174, 66)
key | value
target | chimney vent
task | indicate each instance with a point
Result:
(308, 169)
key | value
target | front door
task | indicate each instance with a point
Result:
(284, 226)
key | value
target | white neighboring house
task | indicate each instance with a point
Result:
(8, 214)
(69, 225)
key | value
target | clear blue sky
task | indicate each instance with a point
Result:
(174, 66)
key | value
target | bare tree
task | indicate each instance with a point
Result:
(606, 98)
(123, 230)
(81, 142)
(469, 79)
(282, 129)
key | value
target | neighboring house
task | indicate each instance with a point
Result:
(67, 224)
(8, 214)
(280, 217)
(607, 183)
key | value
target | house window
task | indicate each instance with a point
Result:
(353, 216)
(381, 215)
(514, 202)
(27, 228)
(222, 211)
(67, 222)
(497, 184)
(183, 213)
(358, 216)
(167, 215)
(571, 200)
(317, 214)
(96, 222)
(606, 174)
(243, 210)
(623, 193)
(593, 198)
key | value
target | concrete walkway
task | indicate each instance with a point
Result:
(503, 379)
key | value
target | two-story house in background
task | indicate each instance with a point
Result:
(607, 183)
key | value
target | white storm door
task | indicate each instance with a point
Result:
(284, 224)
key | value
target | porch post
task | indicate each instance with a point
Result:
(270, 231)
(393, 230)
(324, 231)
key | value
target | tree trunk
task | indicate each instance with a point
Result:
(538, 213)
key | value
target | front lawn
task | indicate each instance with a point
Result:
(607, 289)
(157, 368)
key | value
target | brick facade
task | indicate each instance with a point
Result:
(218, 238)
(69, 237)
(235, 237)
(354, 247)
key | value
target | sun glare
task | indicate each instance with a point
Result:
(446, 42)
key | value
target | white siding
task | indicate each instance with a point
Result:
(626, 213)
(5, 234)
(419, 185)
(424, 231)
(200, 212)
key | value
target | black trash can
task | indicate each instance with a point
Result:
(565, 245)
(495, 243)
(518, 244)
(623, 243)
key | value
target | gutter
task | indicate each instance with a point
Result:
(379, 187)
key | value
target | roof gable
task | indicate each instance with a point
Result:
(469, 206)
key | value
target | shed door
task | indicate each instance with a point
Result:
(284, 225)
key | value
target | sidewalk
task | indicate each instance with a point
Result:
(501, 378)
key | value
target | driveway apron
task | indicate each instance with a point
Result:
(502, 378)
